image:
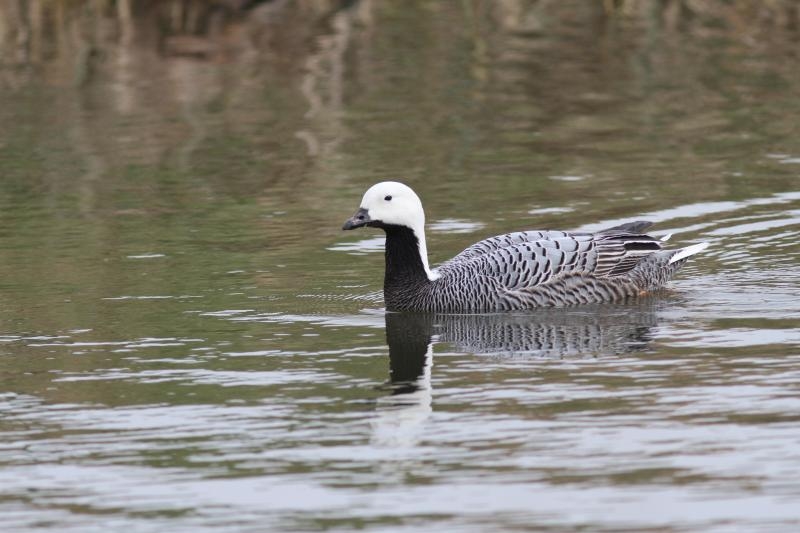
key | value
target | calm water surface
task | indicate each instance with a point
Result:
(188, 342)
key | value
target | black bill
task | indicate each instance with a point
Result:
(361, 218)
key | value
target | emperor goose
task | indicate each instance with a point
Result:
(515, 271)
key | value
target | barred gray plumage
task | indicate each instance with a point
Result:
(521, 270)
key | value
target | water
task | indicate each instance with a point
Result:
(188, 342)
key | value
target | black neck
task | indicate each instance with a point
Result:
(404, 267)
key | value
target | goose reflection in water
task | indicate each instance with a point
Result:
(402, 413)
(594, 331)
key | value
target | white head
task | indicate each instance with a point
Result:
(391, 203)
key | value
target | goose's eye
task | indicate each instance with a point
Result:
(387, 197)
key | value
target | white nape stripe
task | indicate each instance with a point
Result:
(688, 251)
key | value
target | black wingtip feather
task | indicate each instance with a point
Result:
(639, 245)
(631, 227)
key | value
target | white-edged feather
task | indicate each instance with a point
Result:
(688, 251)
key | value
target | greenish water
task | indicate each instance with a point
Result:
(188, 341)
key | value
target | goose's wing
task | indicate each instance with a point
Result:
(499, 242)
(492, 244)
(528, 264)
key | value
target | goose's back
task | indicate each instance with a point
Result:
(499, 242)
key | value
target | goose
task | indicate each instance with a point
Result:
(516, 271)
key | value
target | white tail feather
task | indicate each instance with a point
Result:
(688, 251)
(666, 237)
